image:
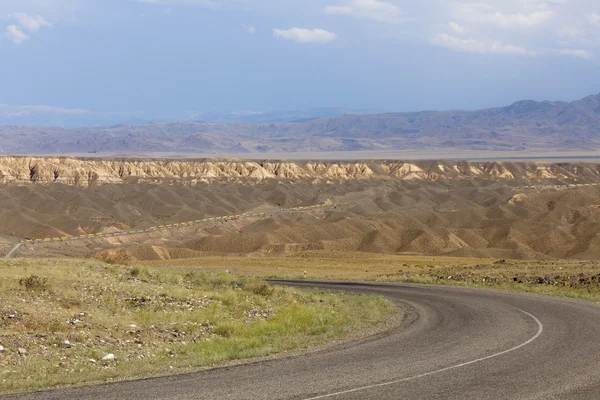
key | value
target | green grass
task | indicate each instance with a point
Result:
(155, 320)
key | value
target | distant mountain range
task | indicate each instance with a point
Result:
(278, 116)
(522, 126)
(77, 118)
(64, 117)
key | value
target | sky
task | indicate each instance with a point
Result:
(169, 56)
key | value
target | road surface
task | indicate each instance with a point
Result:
(454, 344)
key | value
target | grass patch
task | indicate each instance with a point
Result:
(567, 278)
(59, 319)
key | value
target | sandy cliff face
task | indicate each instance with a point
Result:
(91, 172)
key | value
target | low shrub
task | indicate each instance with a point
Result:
(34, 283)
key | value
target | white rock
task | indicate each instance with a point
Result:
(108, 357)
(1, 348)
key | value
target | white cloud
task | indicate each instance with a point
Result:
(544, 4)
(577, 53)
(302, 35)
(25, 22)
(370, 9)
(202, 3)
(457, 28)
(483, 13)
(15, 34)
(520, 20)
(54, 10)
(249, 28)
(477, 46)
(571, 32)
(31, 23)
(528, 27)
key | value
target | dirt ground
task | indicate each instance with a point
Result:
(515, 211)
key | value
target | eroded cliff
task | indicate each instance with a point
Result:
(86, 172)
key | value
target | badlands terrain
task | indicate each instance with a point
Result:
(496, 209)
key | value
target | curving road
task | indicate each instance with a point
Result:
(454, 344)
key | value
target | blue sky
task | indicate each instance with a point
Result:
(168, 56)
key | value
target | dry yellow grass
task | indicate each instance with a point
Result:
(571, 278)
(60, 318)
(317, 264)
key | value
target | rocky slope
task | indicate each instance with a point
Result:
(522, 126)
(96, 171)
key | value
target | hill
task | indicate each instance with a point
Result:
(522, 126)
(496, 209)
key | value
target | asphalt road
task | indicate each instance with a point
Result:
(453, 344)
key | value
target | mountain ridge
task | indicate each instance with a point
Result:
(522, 126)
(87, 172)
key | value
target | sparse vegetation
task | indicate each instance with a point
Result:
(66, 322)
(570, 278)
(34, 283)
(73, 322)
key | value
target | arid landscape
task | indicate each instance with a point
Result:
(131, 267)
(517, 210)
(299, 200)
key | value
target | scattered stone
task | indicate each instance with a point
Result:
(21, 351)
(67, 344)
(1, 348)
(108, 357)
